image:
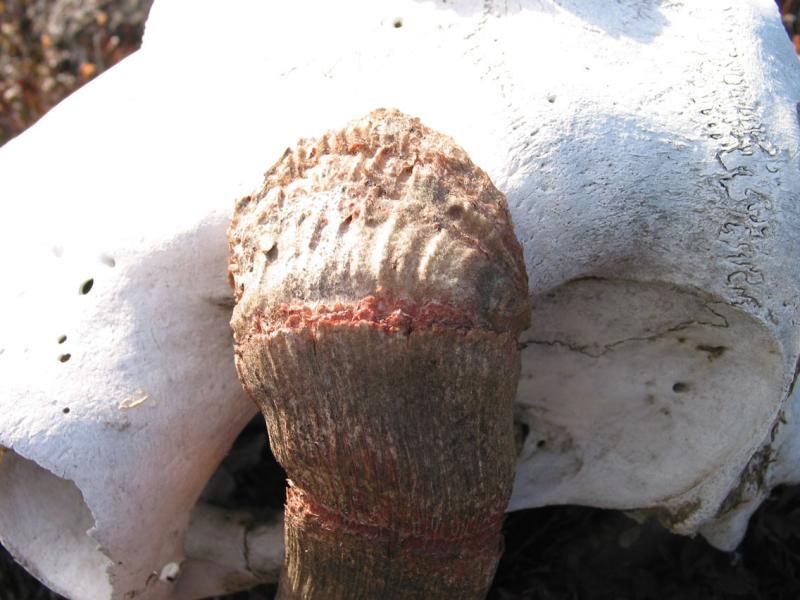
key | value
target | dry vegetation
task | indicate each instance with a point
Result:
(49, 48)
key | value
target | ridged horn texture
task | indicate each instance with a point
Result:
(380, 291)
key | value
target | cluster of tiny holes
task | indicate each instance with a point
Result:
(84, 289)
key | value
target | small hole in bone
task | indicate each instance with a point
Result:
(65, 357)
(680, 387)
(398, 23)
(65, 410)
(108, 261)
(170, 572)
(62, 339)
(86, 287)
(541, 444)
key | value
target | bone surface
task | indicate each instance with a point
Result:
(650, 171)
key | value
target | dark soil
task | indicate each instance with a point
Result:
(48, 48)
(560, 553)
(578, 553)
(554, 553)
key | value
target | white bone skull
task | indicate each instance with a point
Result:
(650, 164)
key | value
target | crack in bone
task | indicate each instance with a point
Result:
(584, 349)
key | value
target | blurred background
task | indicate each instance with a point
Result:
(49, 48)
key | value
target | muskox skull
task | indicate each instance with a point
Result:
(649, 161)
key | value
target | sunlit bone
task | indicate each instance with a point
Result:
(649, 161)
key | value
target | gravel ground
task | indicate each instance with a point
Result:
(48, 48)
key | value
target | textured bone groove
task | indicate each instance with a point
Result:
(385, 204)
(380, 295)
